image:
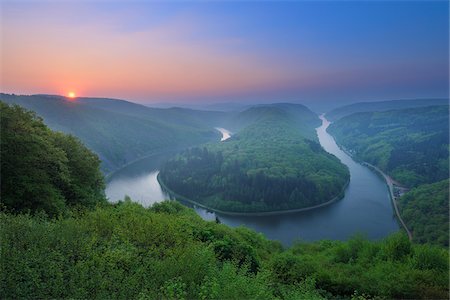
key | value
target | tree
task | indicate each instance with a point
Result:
(44, 170)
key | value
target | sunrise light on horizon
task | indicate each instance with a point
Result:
(195, 51)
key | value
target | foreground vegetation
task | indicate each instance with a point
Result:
(268, 165)
(42, 169)
(167, 251)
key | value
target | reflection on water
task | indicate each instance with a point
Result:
(365, 208)
(225, 133)
(138, 180)
(144, 189)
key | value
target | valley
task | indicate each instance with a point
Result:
(366, 193)
(224, 150)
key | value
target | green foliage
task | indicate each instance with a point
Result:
(268, 165)
(425, 211)
(412, 145)
(119, 131)
(42, 169)
(168, 252)
(397, 247)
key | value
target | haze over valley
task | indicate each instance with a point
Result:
(149, 151)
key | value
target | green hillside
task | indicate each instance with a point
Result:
(268, 165)
(120, 131)
(411, 145)
(90, 249)
(425, 210)
(175, 115)
(300, 116)
(347, 110)
(42, 169)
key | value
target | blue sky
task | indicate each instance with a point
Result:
(227, 51)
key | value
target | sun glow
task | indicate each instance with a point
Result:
(71, 95)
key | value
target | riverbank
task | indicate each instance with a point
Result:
(390, 184)
(252, 214)
(156, 153)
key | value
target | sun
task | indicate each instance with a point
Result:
(71, 95)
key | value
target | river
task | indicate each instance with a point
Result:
(366, 207)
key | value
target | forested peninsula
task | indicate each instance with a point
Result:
(272, 163)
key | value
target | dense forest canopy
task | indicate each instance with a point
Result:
(119, 131)
(378, 106)
(425, 209)
(42, 169)
(268, 165)
(411, 145)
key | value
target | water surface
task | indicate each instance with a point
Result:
(365, 208)
(225, 133)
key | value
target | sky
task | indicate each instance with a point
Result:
(225, 51)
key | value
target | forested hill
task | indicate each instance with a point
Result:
(411, 145)
(268, 165)
(43, 170)
(305, 120)
(347, 110)
(174, 115)
(120, 131)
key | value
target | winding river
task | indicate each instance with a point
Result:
(366, 207)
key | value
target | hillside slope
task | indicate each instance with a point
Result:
(411, 145)
(43, 170)
(425, 211)
(120, 131)
(347, 110)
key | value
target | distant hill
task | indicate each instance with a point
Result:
(174, 115)
(347, 110)
(305, 120)
(120, 131)
(224, 106)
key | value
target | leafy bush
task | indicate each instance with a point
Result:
(42, 169)
(127, 251)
